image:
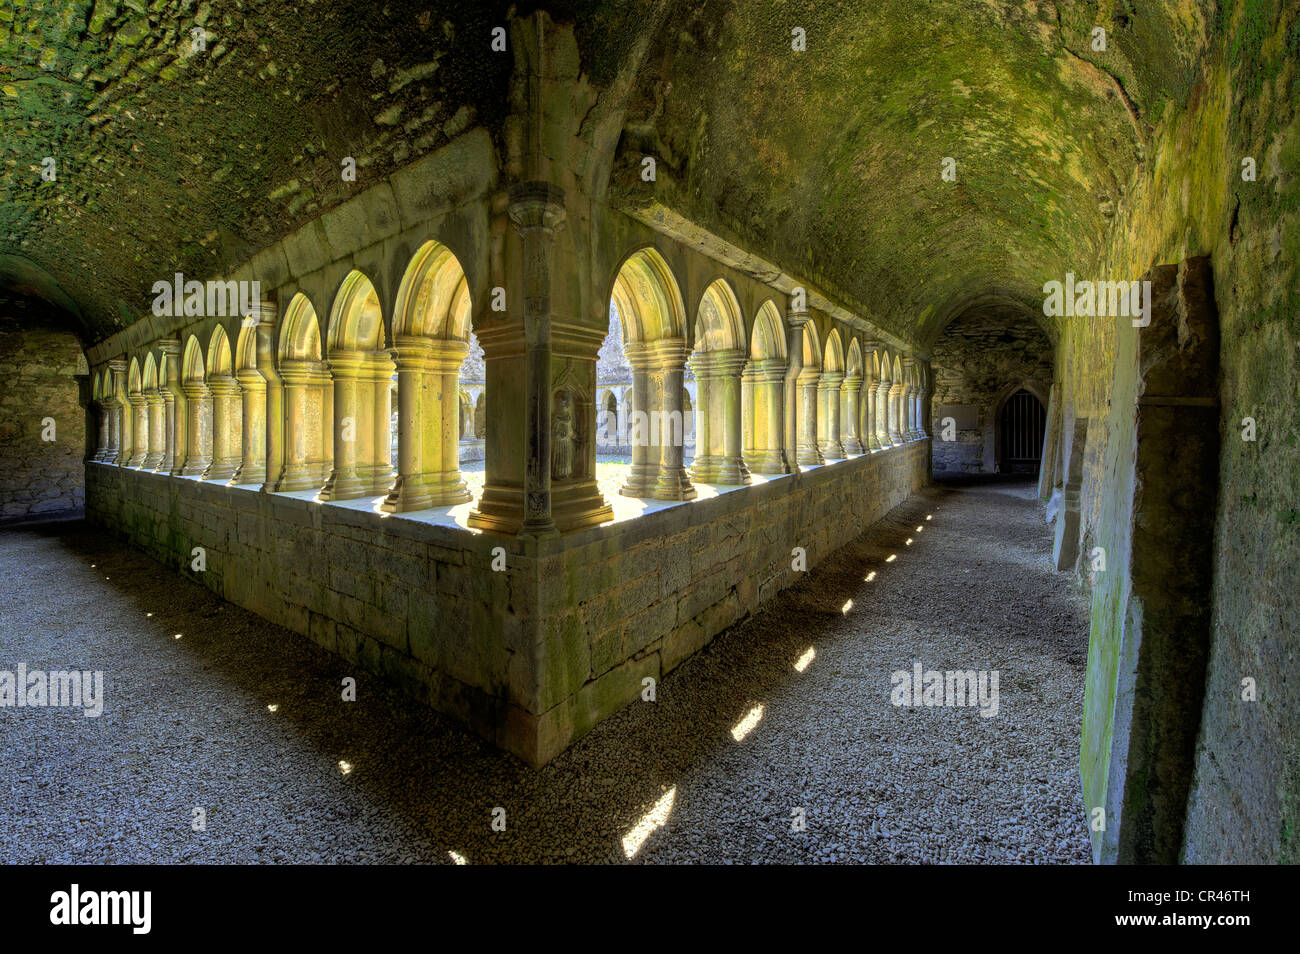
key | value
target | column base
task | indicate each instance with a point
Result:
(767, 462)
(343, 486)
(729, 471)
(250, 474)
(196, 468)
(425, 491)
(810, 454)
(376, 480)
(297, 477)
(831, 450)
(151, 461)
(673, 484)
(500, 510)
(641, 481)
(852, 446)
(221, 468)
(577, 505)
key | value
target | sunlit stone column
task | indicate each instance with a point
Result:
(448, 487)
(643, 433)
(121, 417)
(906, 423)
(794, 368)
(419, 415)
(198, 428)
(768, 456)
(809, 451)
(828, 392)
(669, 357)
(870, 384)
(139, 411)
(300, 471)
(894, 402)
(227, 427)
(376, 468)
(175, 408)
(747, 413)
(344, 481)
(155, 410)
(850, 397)
(719, 434)
(882, 410)
(252, 464)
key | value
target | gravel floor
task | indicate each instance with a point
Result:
(187, 723)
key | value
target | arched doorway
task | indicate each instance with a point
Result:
(1020, 429)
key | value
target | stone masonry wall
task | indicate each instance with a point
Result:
(531, 656)
(975, 361)
(38, 362)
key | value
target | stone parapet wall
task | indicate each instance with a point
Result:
(535, 654)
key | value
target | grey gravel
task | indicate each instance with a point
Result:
(187, 723)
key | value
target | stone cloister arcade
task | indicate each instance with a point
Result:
(265, 439)
(282, 413)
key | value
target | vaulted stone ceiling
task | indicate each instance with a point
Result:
(826, 161)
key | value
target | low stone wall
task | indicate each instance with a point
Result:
(531, 655)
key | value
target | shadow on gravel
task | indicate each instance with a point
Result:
(439, 783)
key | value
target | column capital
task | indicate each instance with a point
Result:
(536, 205)
(797, 318)
(169, 346)
(262, 313)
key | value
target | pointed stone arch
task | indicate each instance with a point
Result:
(308, 399)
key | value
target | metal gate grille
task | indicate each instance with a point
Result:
(1023, 423)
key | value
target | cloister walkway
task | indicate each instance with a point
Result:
(245, 720)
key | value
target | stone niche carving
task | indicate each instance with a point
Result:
(570, 440)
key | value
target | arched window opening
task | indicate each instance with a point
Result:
(308, 400)
(763, 394)
(431, 339)
(828, 398)
(851, 401)
(138, 412)
(227, 423)
(718, 363)
(154, 414)
(362, 373)
(648, 305)
(809, 450)
(252, 390)
(198, 404)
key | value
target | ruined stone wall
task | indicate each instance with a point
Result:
(38, 362)
(1190, 199)
(976, 362)
(533, 655)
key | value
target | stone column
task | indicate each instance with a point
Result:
(895, 411)
(300, 470)
(850, 397)
(907, 406)
(344, 481)
(537, 210)
(794, 368)
(104, 451)
(747, 413)
(669, 356)
(870, 385)
(809, 450)
(120, 425)
(427, 418)
(226, 427)
(828, 392)
(643, 438)
(377, 471)
(719, 435)
(175, 411)
(155, 411)
(252, 464)
(769, 417)
(882, 410)
(139, 412)
(198, 428)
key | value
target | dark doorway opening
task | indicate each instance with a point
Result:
(1022, 426)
